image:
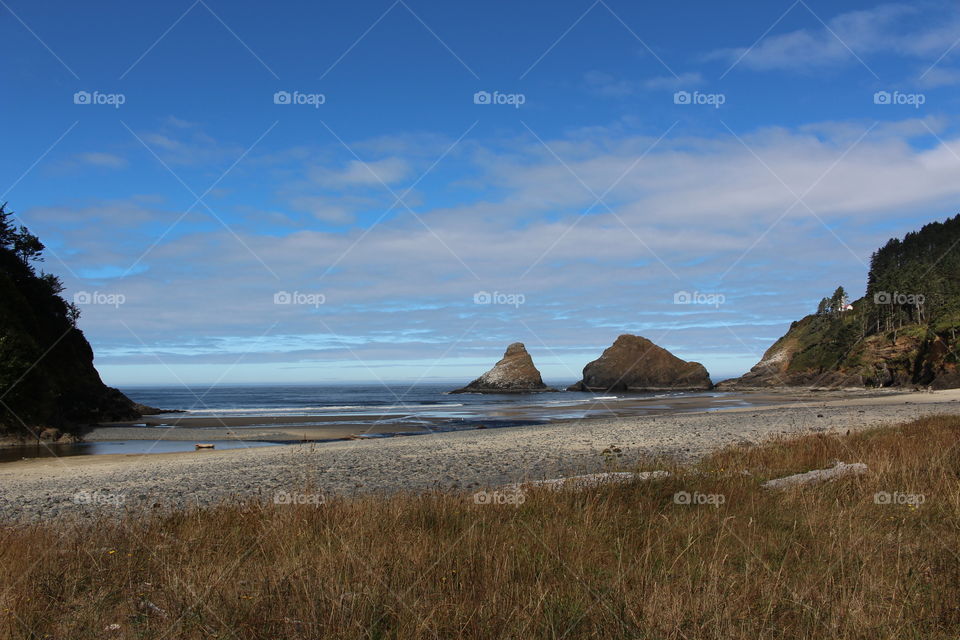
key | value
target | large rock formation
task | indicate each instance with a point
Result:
(47, 377)
(633, 363)
(514, 373)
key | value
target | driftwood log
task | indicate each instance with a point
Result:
(592, 480)
(839, 470)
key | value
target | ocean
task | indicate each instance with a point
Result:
(401, 402)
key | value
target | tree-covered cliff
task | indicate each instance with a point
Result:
(903, 332)
(47, 377)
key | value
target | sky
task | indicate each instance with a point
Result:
(313, 192)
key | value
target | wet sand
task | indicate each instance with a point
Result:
(204, 422)
(461, 460)
(240, 429)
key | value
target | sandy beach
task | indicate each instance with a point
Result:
(46, 488)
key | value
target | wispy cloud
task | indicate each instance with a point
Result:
(338, 210)
(941, 77)
(101, 159)
(609, 85)
(362, 173)
(698, 203)
(182, 143)
(899, 29)
(691, 79)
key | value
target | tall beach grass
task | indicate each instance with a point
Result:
(704, 553)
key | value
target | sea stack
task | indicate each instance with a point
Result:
(633, 363)
(514, 373)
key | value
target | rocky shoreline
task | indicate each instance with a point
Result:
(42, 489)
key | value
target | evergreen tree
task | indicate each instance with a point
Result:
(838, 300)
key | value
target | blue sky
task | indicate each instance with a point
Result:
(314, 192)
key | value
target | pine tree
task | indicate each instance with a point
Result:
(838, 300)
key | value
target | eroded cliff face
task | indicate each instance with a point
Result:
(514, 373)
(902, 333)
(832, 352)
(633, 363)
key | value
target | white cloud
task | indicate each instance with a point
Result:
(324, 209)
(178, 142)
(670, 83)
(940, 77)
(608, 85)
(359, 173)
(101, 159)
(889, 28)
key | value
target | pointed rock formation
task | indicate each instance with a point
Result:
(633, 363)
(515, 373)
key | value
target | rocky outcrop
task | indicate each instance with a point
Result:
(800, 359)
(824, 352)
(47, 377)
(634, 363)
(514, 373)
(905, 332)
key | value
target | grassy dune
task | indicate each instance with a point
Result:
(623, 561)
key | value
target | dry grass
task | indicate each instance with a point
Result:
(612, 562)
